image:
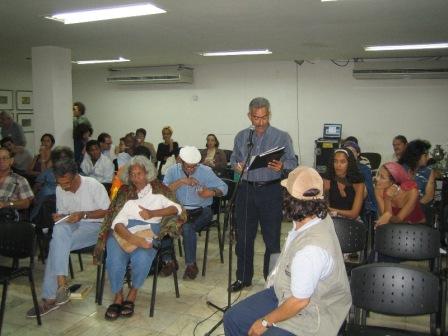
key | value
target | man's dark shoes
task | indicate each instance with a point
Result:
(239, 285)
(191, 272)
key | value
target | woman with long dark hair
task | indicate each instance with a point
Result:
(344, 185)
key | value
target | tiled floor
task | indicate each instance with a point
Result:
(172, 316)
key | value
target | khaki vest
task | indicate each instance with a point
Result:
(331, 300)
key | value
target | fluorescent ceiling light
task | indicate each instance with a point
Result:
(407, 47)
(106, 14)
(119, 60)
(237, 53)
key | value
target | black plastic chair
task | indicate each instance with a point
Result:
(352, 236)
(101, 278)
(374, 159)
(216, 208)
(18, 241)
(393, 289)
(79, 253)
(409, 242)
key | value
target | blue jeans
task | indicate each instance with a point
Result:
(66, 237)
(189, 230)
(117, 260)
(239, 318)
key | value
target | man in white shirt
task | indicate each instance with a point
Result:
(105, 142)
(96, 164)
(81, 204)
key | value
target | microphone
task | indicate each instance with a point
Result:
(251, 134)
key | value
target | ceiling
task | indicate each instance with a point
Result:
(292, 29)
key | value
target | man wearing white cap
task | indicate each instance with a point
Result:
(307, 292)
(195, 186)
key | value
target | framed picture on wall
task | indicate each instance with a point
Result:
(26, 121)
(24, 100)
(6, 100)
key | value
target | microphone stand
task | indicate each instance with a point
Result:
(229, 218)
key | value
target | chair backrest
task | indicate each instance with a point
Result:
(231, 187)
(352, 234)
(407, 241)
(17, 239)
(374, 158)
(394, 289)
(228, 153)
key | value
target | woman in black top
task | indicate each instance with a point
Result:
(344, 185)
(166, 148)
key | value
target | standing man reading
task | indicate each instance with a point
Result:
(259, 198)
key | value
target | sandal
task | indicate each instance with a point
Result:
(127, 309)
(113, 312)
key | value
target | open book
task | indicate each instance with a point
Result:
(262, 160)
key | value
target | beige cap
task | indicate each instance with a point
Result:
(304, 183)
(190, 154)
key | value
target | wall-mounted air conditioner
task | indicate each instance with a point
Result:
(151, 75)
(396, 69)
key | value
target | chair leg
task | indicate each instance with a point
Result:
(154, 286)
(220, 243)
(204, 261)
(2, 307)
(98, 282)
(40, 243)
(103, 278)
(176, 283)
(70, 267)
(33, 293)
(179, 243)
(81, 266)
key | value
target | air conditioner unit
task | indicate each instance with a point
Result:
(395, 69)
(151, 75)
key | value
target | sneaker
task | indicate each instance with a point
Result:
(62, 295)
(44, 308)
(191, 272)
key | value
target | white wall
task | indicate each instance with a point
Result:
(372, 110)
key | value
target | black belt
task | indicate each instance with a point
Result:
(261, 183)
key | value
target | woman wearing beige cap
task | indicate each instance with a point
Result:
(308, 291)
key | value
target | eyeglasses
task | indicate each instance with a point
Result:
(4, 158)
(188, 166)
(258, 118)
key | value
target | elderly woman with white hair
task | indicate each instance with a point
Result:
(135, 217)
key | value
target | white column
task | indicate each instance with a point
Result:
(52, 94)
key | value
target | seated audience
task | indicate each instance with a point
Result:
(79, 111)
(414, 160)
(166, 148)
(195, 186)
(135, 224)
(15, 192)
(307, 293)
(121, 147)
(105, 141)
(212, 156)
(344, 185)
(81, 134)
(397, 196)
(22, 156)
(399, 144)
(370, 207)
(129, 147)
(140, 135)
(81, 204)
(361, 159)
(41, 161)
(11, 129)
(96, 164)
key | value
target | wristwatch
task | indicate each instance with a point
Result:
(85, 215)
(11, 204)
(265, 323)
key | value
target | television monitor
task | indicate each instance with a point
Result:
(332, 131)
